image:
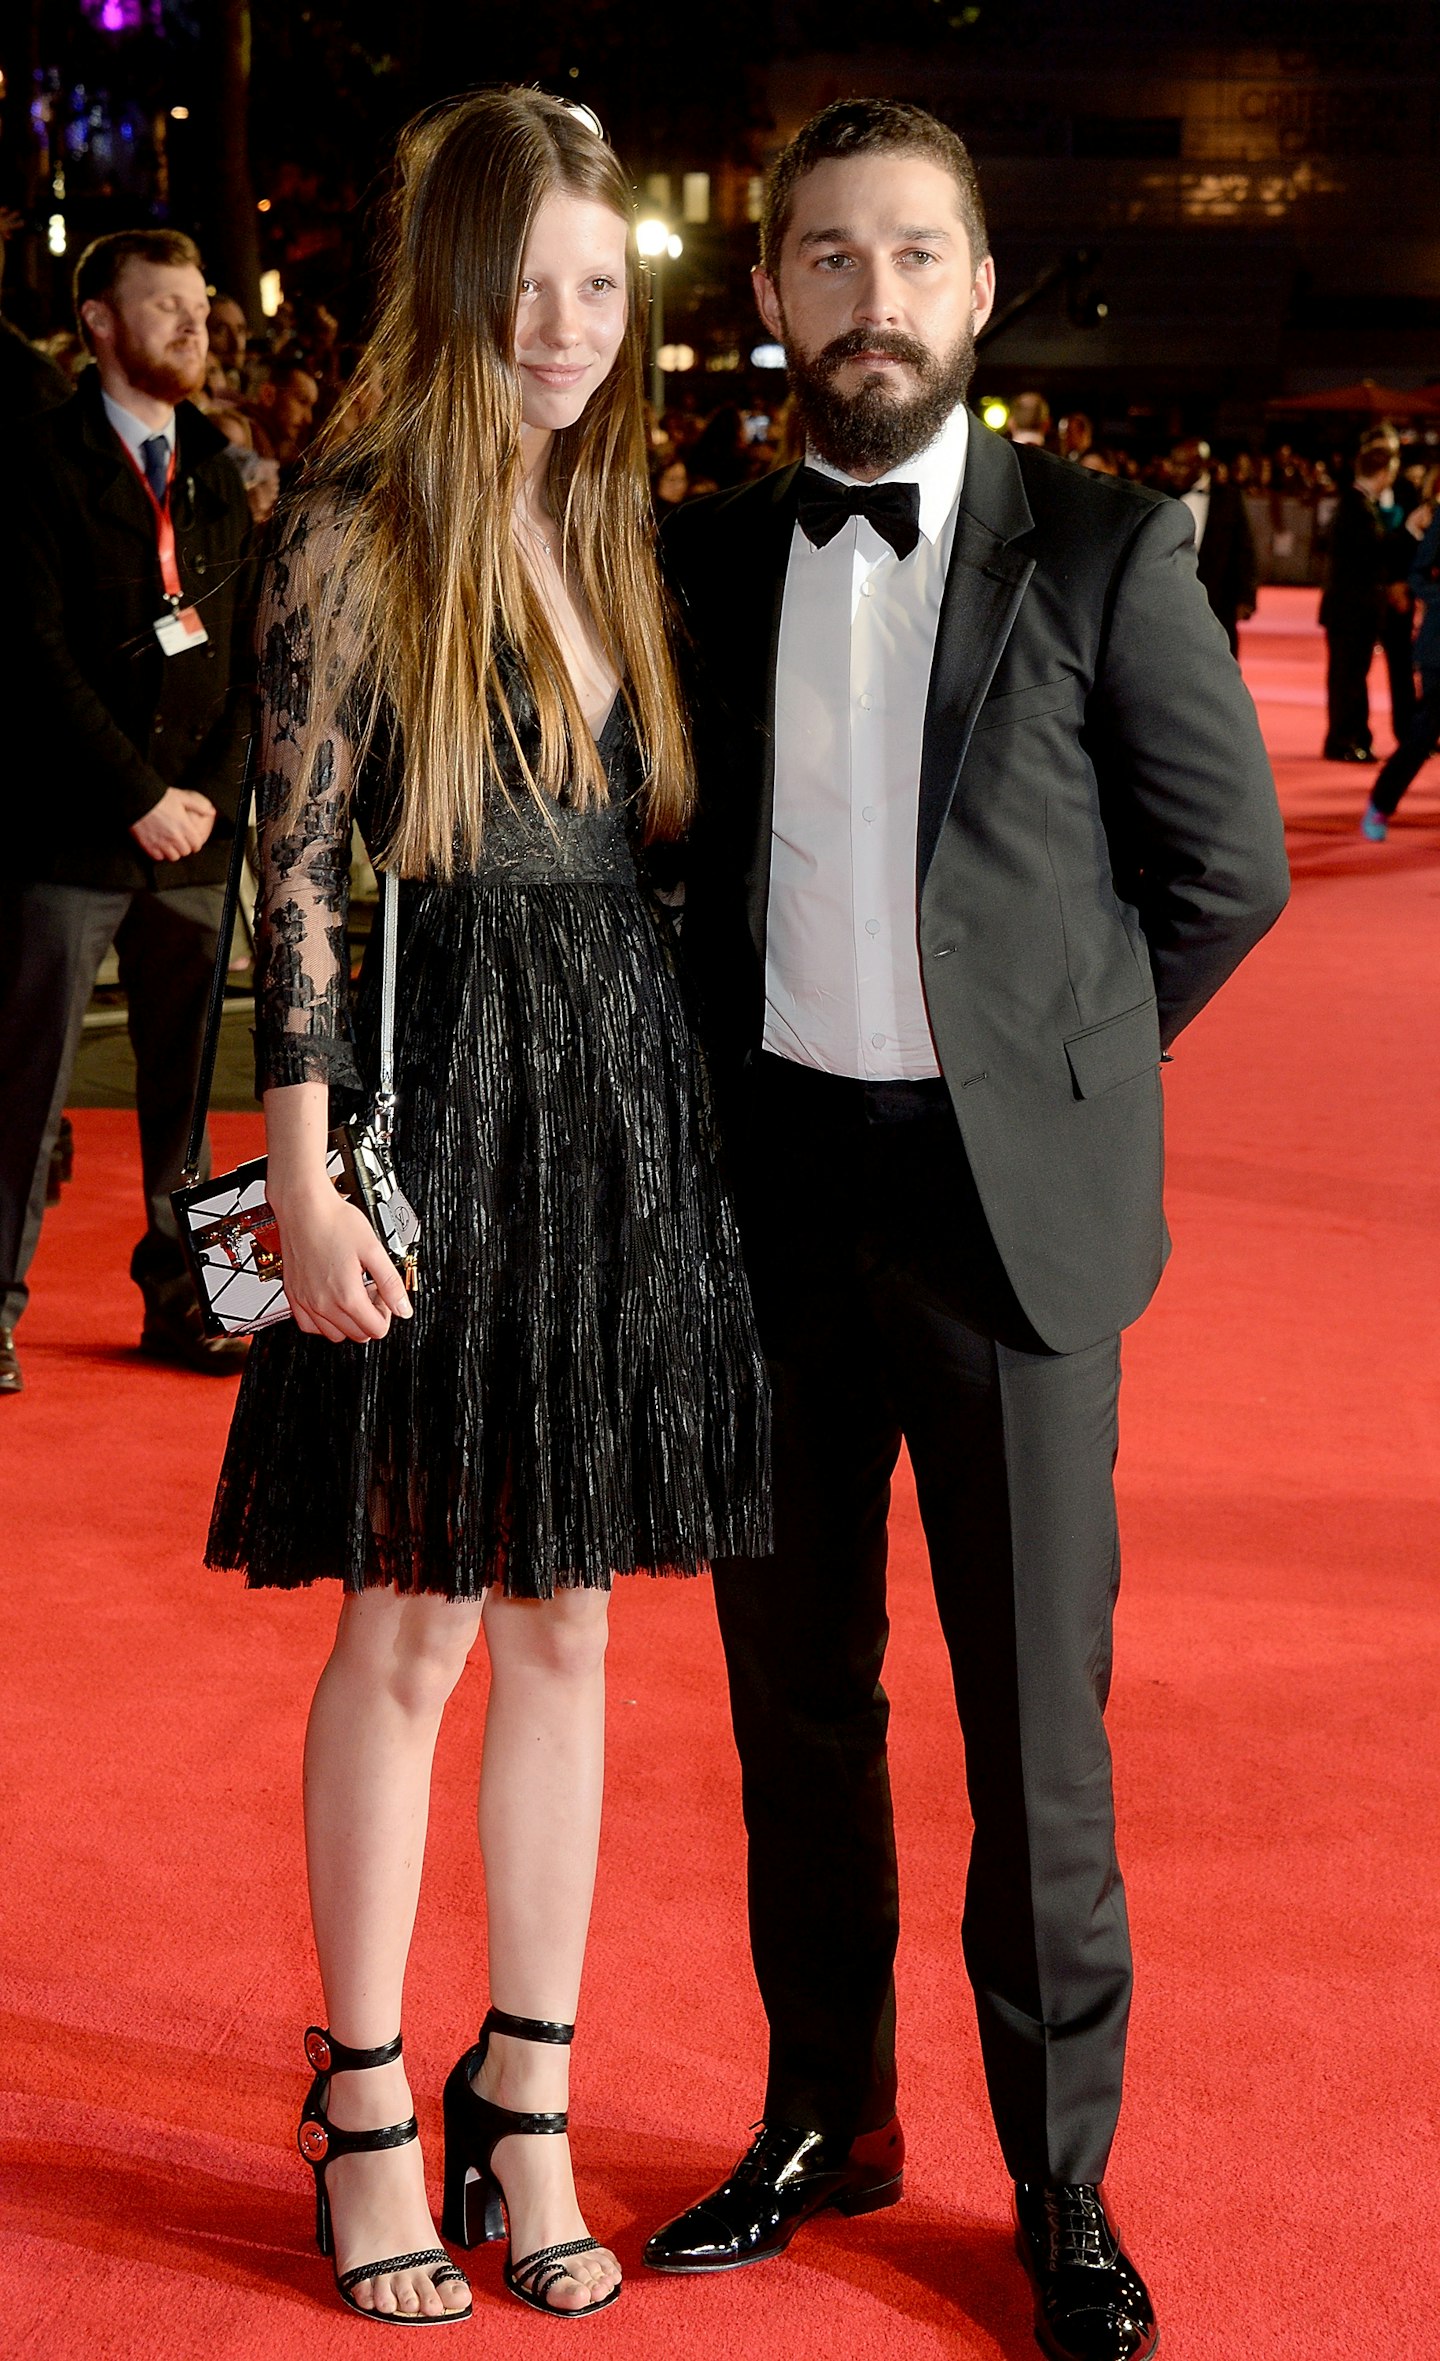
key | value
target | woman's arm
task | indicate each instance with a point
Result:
(303, 1044)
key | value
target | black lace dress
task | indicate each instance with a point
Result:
(580, 1392)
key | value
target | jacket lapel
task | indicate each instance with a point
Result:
(766, 574)
(115, 487)
(983, 590)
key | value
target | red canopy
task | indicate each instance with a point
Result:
(1366, 400)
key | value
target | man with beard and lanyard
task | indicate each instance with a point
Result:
(985, 820)
(129, 593)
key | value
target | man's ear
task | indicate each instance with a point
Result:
(984, 292)
(98, 318)
(767, 302)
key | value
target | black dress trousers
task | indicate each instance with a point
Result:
(887, 1317)
(52, 941)
(1350, 642)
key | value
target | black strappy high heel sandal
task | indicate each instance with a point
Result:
(474, 2207)
(321, 2141)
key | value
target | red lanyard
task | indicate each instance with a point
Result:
(164, 526)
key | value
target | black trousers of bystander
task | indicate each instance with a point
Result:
(52, 940)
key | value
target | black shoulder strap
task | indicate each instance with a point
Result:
(215, 1011)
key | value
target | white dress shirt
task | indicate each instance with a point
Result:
(857, 638)
(133, 431)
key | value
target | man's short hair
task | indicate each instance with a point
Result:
(1031, 413)
(99, 267)
(868, 127)
(282, 368)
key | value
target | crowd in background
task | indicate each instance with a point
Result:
(1290, 496)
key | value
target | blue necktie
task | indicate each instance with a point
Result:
(156, 454)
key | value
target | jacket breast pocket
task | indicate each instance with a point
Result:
(1104, 1056)
(1047, 696)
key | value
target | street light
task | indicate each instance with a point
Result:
(657, 243)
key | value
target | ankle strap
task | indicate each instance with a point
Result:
(326, 2055)
(497, 2020)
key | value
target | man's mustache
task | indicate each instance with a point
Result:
(856, 341)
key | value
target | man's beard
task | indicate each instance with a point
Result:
(871, 432)
(170, 376)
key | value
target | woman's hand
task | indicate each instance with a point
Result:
(327, 1246)
(328, 1249)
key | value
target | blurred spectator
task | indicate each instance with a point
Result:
(283, 407)
(229, 337)
(1423, 735)
(1397, 605)
(128, 586)
(1029, 420)
(1100, 462)
(720, 457)
(314, 340)
(1077, 435)
(259, 475)
(1224, 545)
(1366, 546)
(64, 348)
(670, 484)
(29, 379)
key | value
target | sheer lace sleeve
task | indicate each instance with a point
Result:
(302, 962)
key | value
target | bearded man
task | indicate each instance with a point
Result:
(986, 819)
(129, 594)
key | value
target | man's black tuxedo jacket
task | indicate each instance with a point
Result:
(1099, 842)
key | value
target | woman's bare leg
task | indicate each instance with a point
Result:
(540, 1794)
(368, 1752)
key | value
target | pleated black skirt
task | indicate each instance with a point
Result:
(581, 1392)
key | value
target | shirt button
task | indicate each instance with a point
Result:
(868, 813)
(872, 926)
(866, 701)
(867, 590)
(877, 1041)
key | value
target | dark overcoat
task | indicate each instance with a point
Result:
(101, 721)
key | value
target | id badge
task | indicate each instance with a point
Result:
(180, 628)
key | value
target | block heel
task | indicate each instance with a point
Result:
(474, 2200)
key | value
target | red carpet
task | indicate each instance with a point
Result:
(1274, 1724)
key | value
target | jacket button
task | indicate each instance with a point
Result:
(198, 564)
(942, 950)
(158, 730)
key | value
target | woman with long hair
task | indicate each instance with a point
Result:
(463, 648)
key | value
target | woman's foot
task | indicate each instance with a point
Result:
(534, 2170)
(378, 2204)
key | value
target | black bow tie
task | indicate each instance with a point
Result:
(826, 505)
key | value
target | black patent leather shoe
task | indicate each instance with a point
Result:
(784, 2178)
(1091, 2303)
(11, 1381)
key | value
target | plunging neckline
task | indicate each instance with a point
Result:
(615, 707)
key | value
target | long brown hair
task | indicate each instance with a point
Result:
(426, 602)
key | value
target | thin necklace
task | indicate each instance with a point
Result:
(540, 541)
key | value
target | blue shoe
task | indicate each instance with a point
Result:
(1374, 826)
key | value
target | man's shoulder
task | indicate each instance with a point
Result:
(1064, 496)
